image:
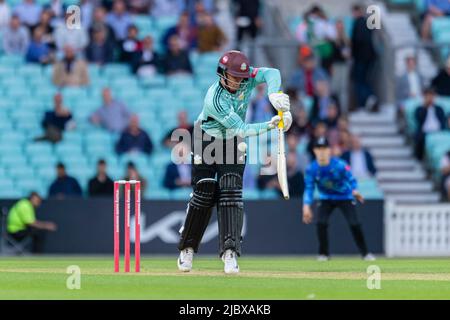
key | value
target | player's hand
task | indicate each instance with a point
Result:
(280, 101)
(287, 120)
(50, 226)
(273, 123)
(307, 214)
(358, 196)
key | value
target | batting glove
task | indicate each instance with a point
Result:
(273, 123)
(280, 101)
(287, 120)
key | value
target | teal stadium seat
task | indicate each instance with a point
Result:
(139, 159)
(18, 172)
(181, 194)
(116, 70)
(154, 81)
(157, 194)
(251, 194)
(11, 60)
(12, 137)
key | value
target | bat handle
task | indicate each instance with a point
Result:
(281, 123)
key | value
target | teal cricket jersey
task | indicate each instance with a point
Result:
(223, 114)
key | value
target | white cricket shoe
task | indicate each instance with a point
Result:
(184, 261)
(230, 261)
(369, 257)
(322, 257)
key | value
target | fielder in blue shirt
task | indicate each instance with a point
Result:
(337, 189)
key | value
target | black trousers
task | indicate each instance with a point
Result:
(348, 208)
(37, 236)
(212, 157)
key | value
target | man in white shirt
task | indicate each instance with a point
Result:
(411, 83)
(5, 14)
(16, 37)
(360, 160)
(29, 12)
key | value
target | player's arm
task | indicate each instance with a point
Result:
(353, 183)
(223, 113)
(279, 100)
(308, 195)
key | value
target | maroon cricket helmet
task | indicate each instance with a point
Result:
(235, 63)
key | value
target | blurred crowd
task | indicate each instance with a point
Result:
(333, 74)
(429, 117)
(107, 34)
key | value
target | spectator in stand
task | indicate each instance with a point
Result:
(360, 160)
(248, 20)
(101, 185)
(183, 124)
(301, 126)
(411, 83)
(139, 6)
(332, 117)
(305, 78)
(57, 9)
(294, 175)
(29, 13)
(119, 20)
(185, 32)
(341, 142)
(319, 31)
(5, 14)
(64, 186)
(268, 179)
(445, 172)
(56, 121)
(164, 8)
(100, 51)
(99, 22)
(176, 60)
(134, 139)
(70, 71)
(133, 174)
(87, 12)
(76, 38)
(364, 57)
(45, 23)
(113, 115)
(320, 130)
(131, 47)
(322, 101)
(148, 63)
(341, 63)
(296, 102)
(16, 38)
(429, 118)
(178, 173)
(38, 51)
(210, 36)
(294, 146)
(441, 83)
(22, 223)
(434, 8)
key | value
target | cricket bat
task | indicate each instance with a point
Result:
(281, 159)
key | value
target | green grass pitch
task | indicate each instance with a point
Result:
(260, 278)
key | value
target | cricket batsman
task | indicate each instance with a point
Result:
(337, 190)
(219, 155)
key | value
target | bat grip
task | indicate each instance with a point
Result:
(281, 123)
